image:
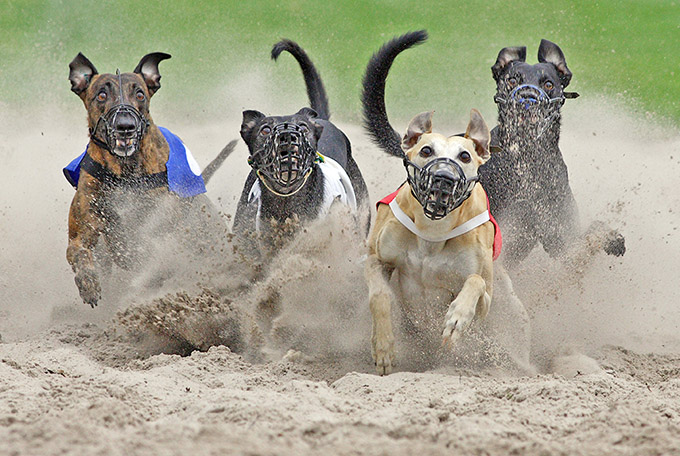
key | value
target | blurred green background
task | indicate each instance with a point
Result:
(623, 49)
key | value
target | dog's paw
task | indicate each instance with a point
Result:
(88, 286)
(457, 321)
(383, 353)
(615, 244)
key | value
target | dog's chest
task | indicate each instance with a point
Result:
(428, 270)
(436, 265)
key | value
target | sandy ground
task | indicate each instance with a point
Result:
(78, 381)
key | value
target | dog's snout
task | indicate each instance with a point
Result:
(444, 173)
(125, 123)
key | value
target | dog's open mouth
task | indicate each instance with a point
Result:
(124, 147)
(290, 163)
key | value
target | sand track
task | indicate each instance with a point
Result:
(72, 381)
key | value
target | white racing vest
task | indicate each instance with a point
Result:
(336, 187)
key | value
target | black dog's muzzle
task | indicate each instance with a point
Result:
(529, 96)
(120, 129)
(532, 99)
(440, 186)
(285, 160)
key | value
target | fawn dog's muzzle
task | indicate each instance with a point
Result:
(440, 186)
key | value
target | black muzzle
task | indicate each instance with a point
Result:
(285, 160)
(120, 129)
(531, 100)
(440, 186)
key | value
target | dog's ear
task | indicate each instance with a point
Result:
(81, 71)
(250, 119)
(478, 132)
(419, 125)
(549, 52)
(505, 57)
(312, 115)
(308, 112)
(148, 69)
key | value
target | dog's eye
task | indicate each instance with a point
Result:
(426, 151)
(465, 157)
(140, 95)
(548, 85)
(265, 130)
(101, 96)
(512, 82)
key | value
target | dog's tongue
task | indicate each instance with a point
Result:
(125, 146)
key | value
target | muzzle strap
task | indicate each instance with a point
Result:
(140, 183)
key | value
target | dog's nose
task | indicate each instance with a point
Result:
(444, 174)
(125, 123)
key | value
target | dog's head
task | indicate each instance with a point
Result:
(117, 104)
(283, 149)
(529, 97)
(442, 171)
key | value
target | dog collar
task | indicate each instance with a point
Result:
(142, 183)
(470, 225)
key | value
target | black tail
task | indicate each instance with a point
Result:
(217, 161)
(373, 95)
(315, 89)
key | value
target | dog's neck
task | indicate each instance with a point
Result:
(151, 157)
(470, 208)
(527, 143)
(305, 203)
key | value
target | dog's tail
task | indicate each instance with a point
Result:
(315, 89)
(373, 94)
(217, 161)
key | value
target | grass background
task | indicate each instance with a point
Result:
(623, 49)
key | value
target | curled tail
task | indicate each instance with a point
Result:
(373, 94)
(315, 89)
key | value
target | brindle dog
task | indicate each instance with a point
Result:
(127, 156)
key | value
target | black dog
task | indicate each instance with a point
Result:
(301, 163)
(528, 183)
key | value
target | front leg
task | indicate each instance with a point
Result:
(473, 298)
(84, 227)
(380, 300)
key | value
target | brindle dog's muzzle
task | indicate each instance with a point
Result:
(285, 160)
(440, 186)
(120, 129)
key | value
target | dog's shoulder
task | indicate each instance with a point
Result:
(333, 143)
(389, 238)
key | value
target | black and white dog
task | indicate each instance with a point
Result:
(528, 183)
(302, 163)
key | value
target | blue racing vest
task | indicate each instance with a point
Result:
(184, 174)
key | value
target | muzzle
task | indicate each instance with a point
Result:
(533, 99)
(120, 129)
(440, 186)
(285, 160)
